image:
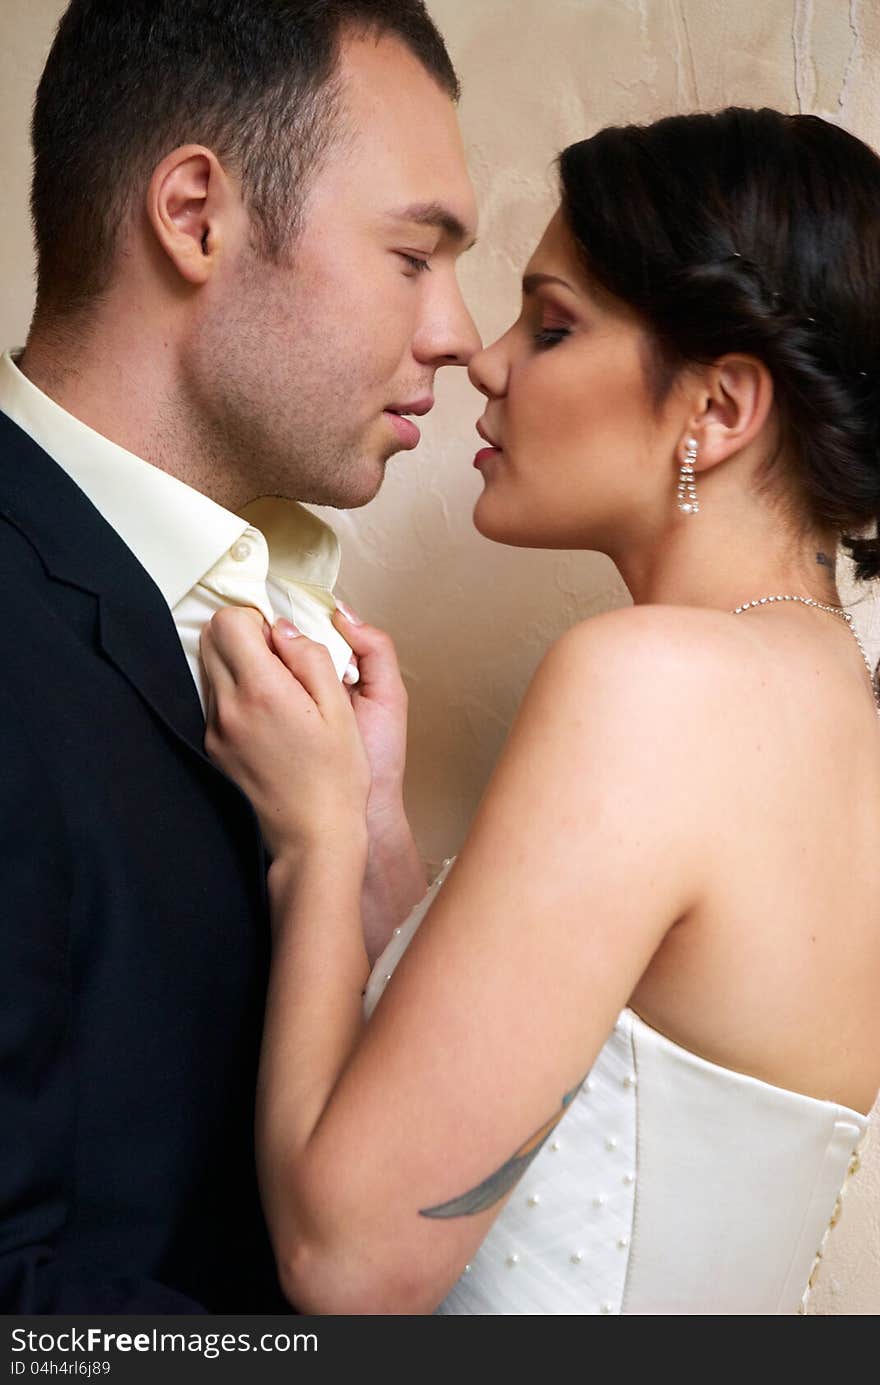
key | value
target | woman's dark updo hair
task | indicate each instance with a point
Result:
(755, 232)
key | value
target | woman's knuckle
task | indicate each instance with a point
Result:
(226, 721)
(223, 620)
(261, 695)
(318, 653)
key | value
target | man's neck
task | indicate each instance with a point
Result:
(128, 392)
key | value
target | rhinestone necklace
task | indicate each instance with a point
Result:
(832, 610)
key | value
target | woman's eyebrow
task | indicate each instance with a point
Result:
(533, 281)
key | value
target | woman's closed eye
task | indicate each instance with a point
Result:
(551, 336)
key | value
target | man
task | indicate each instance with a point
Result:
(247, 216)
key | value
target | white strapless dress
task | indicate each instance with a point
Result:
(670, 1186)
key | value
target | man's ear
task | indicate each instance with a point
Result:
(189, 203)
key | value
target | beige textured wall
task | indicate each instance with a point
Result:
(472, 619)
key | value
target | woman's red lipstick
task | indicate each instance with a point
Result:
(485, 452)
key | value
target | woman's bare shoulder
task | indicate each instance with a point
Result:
(659, 631)
(642, 664)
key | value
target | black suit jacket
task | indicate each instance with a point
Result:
(133, 937)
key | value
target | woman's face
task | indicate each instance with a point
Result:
(579, 456)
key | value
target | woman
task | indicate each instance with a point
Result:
(672, 882)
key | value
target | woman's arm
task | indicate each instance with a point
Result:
(394, 878)
(388, 1149)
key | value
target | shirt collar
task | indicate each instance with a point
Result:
(175, 532)
(302, 548)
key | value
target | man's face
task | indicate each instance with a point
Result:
(301, 367)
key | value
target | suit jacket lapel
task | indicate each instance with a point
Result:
(79, 547)
(135, 637)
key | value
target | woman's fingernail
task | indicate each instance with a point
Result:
(351, 674)
(287, 630)
(348, 613)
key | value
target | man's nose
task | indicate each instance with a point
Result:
(450, 337)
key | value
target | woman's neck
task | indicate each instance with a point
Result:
(721, 564)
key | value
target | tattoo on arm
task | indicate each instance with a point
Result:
(494, 1188)
(823, 560)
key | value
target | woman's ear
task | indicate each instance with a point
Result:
(736, 400)
(189, 202)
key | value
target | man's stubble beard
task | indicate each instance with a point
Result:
(269, 411)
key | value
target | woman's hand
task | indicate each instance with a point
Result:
(282, 726)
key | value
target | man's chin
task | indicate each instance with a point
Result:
(356, 488)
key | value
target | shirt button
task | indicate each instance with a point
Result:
(241, 551)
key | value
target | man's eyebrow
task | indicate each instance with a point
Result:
(533, 281)
(436, 214)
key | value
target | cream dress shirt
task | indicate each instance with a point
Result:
(275, 556)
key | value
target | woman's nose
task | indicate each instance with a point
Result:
(488, 369)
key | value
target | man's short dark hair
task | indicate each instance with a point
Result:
(127, 81)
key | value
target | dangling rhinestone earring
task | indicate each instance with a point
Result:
(687, 489)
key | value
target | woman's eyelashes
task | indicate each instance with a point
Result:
(550, 336)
